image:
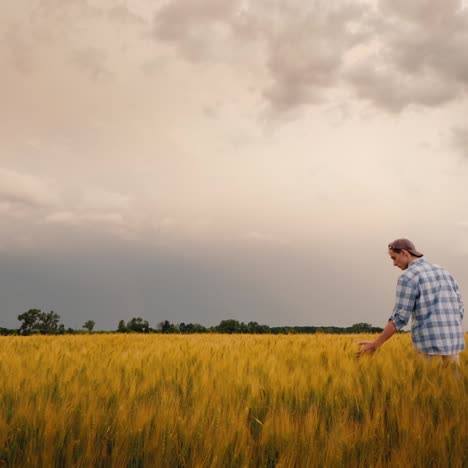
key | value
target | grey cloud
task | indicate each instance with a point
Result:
(110, 280)
(84, 10)
(92, 61)
(156, 66)
(197, 27)
(53, 28)
(393, 91)
(306, 57)
(397, 54)
(71, 9)
(122, 14)
(424, 11)
(460, 140)
(19, 49)
(421, 55)
(304, 45)
(182, 19)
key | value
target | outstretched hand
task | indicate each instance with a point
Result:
(367, 347)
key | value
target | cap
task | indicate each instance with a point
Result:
(404, 244)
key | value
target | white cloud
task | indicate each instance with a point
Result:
(95, 206)
(103, 200)
(26, 189)
(106, 218)
(71, 218)
(63, 217)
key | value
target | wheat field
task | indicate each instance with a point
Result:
(227, 401)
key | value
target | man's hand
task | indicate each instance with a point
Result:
(367, 347)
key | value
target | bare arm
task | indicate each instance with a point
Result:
(368, 347)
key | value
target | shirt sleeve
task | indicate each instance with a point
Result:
(405, 302)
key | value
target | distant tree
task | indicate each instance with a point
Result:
(122, 328)
(31, 322)
(167, 327)
(229, 326)
(191, 328)
(89, 325)
(361, 327)
(35, 321)
(243, 328)
(50, 323)
(138, 325)
(254, 327)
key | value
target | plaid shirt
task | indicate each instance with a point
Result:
(430, 295)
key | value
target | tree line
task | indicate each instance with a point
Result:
(36, 322)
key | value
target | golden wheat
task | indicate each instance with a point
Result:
(227, 401)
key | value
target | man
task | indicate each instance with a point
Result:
(430, 295)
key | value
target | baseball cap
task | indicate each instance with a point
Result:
(404, 244)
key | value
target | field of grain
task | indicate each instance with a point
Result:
(227, 401)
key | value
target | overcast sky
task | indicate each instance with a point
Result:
(198, 160)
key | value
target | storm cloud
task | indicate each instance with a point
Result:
(394, 55)
(196, 160)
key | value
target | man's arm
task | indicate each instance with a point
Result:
(368, 347)
(460, 300)
(404, 306)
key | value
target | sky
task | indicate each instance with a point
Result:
(199, 160)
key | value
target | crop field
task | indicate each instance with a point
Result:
(227, 401)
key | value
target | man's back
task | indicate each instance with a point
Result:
(433, 296)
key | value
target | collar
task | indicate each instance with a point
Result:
(416, 262)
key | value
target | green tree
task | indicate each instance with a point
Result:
(35, 321)
(229, 326)
(122, 328)
(31, 321)
(167, 327)
(89, 325)
(191, 328)
(49, 323)
(361, 327)
(254, 327)
(138, 325)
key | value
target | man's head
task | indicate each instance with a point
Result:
(403, 252)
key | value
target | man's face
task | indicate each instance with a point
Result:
(400, 259)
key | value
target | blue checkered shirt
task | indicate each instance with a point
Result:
(430, 296)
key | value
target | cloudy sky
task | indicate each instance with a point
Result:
(197, 160)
